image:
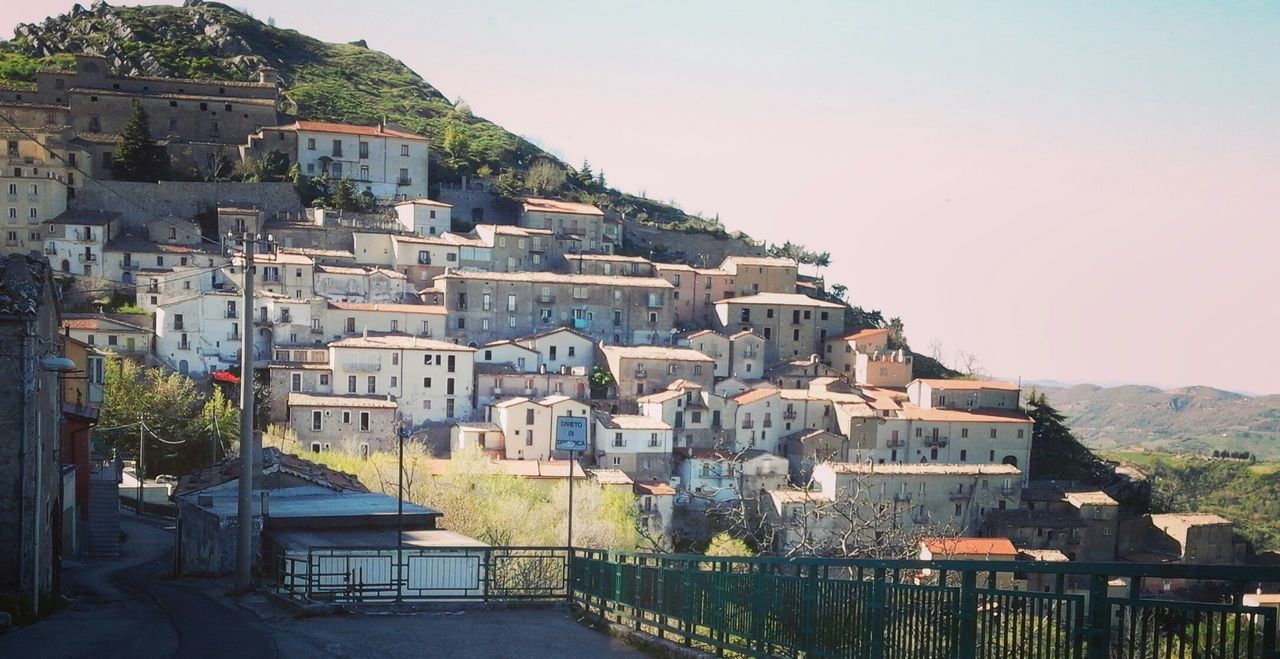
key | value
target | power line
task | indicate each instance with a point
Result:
(126, 286)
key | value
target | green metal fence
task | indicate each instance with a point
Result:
(903, 609)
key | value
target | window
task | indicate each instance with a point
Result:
(653, 440)
(373, 384)
(697, 369)
(426, 383)
(486, 302)
(311, 144)
(404, 177)
(746, 315)
(364, 154)
(1020, 433)
(528, 417)
(964, 432)
(317, 423)
(346, 417)
(964, 455)
(993, 433)
(448, 389)
(295, 382)
(364, 172)
(919, 432)
(404, 150)
(351, 384)
(324, 379)
(452, 363)
(337, 148)
(364, 421)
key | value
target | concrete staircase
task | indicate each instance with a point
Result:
(102, 532)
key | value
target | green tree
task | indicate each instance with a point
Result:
(138, 158)
(897, 333)
(219, 420)
(723, 544)
(168, 403)
(456, 146)
(343, 196)
(601, 380)
(1055, 451)
(272, 167)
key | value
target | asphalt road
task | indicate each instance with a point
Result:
(126, 607)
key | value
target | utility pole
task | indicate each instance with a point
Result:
(249, 450)
(138, 471)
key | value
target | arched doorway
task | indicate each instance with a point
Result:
(127, 278)
(182, 367)
(66, 265)
(1010, 460)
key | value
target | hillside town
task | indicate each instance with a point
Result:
(731, 394)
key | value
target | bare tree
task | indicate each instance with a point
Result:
(544, 176)
(968, 363)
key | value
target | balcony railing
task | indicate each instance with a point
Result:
(87, 258)
(233, 336)
(748, 424)
(936, 441)
(129, 265)
(895, 442)
(545, 299)
(789, 415)
(362, 367)
(317, 330)
(404, 181)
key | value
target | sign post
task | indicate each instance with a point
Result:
(571, 436)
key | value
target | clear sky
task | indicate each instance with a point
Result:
(1079, 191)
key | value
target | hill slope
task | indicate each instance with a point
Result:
(324, 81)
(1195, 420)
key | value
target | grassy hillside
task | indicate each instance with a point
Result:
(1191, 420)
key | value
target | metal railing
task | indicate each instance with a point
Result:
(413, 574)
(908, 609)
(815, 607)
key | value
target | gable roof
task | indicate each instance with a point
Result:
(537, 205)
(430, 309)
(347, 129)
(968, 385)
(655, 352)
(969, 546)
(22, 285)
(273, 461)
(788, 299)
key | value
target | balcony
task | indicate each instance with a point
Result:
(230, 313)
(362, 367)
(317, 330)
(789, 415)
(129, 265)
(545, 299)
(902, 496)
(184, 345)
(958, 495)
(896, 442)
(51, 250)
(1008, 490)
(82, 236)
(87, 258)
(497, 391)
(233, 336)
(748, 424)
(641, 374)
(264, 322)
(404, 181)
(936, 441)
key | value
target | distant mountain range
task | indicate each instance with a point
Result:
(1197, 420)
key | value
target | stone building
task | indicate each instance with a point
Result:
(640, 370)
(578, 227)
(386, 162)
(75, 241)
(31, 500)
(484, 306)
(199, 121)
(793, 326)
(640, 446)
(39, 176)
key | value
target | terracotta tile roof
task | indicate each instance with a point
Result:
(861, 335)
(610, 476)
(787, 299)
(612, 258)
(424, 202)
(964, 416)
(783, 497)
(359, 271)
(943, 547)
(660, 397)
(1045, 555)
(656, 352)
(967, 385)
(398, 342)
(653, 489)
(22, 283)
(273, 461)
(91, 321)
(1093, 498)
(760, 261)
(429, 309)
(753, 395)
(1190, 519)
(347, 129)
(535, 205)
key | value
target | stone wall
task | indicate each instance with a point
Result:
(139, 203)
(697, 249)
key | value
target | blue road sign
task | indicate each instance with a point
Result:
(571, 433)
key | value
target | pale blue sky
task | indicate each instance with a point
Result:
(1079, 191)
